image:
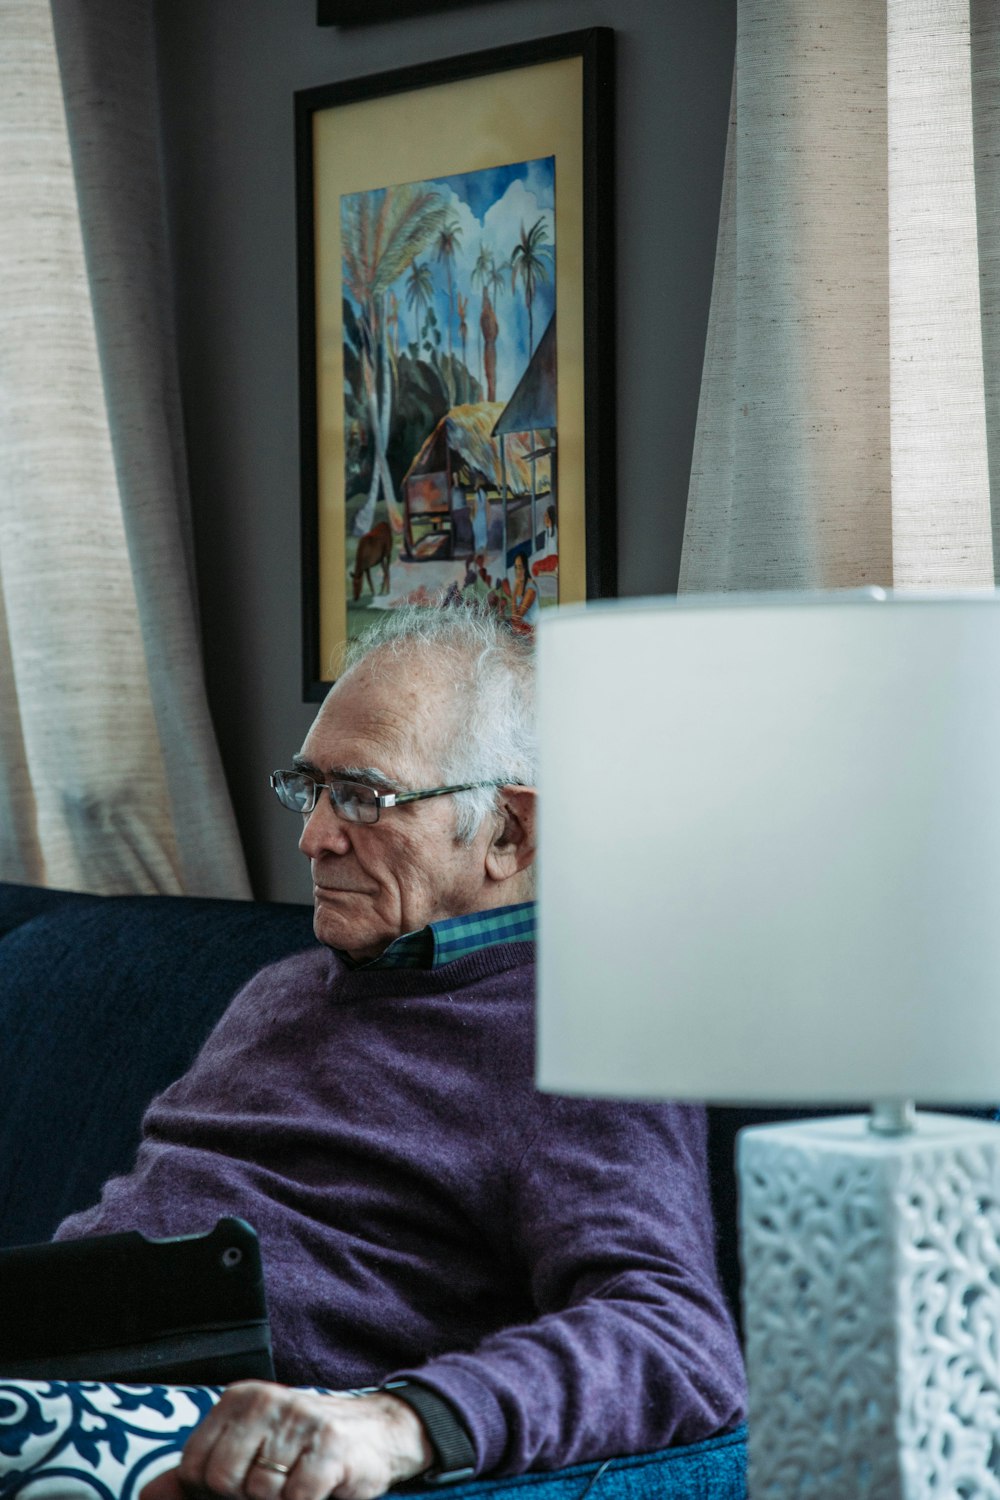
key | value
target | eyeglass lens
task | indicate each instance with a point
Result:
(358, 803)
(298, 792)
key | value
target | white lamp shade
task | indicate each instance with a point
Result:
(769, 860)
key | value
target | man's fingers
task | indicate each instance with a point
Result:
(317, 1473)
(266, 1442)
(250, 1420)
(263, 1442)
(267, 1481)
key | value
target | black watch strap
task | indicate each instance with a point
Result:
(456, 1457)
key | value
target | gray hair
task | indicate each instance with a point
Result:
(493, 672)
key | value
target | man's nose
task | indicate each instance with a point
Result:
(323, 832)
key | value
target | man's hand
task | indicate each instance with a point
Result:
(350, 1447)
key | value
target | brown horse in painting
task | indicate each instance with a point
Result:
(374, 549)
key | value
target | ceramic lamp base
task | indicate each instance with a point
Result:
(871, 1275)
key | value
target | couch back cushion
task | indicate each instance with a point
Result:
(103, 1002)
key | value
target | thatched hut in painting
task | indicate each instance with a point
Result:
(461, 459)
(530, 420)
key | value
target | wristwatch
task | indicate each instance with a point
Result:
(456, 1457)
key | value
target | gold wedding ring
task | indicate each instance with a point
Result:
(272, 1467)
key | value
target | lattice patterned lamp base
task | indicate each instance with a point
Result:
(872, 1309)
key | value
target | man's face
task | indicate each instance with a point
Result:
(374, 881)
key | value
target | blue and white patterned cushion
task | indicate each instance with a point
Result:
(85, 1440)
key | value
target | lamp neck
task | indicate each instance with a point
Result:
(892, 1117)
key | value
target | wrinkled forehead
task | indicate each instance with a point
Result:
(395, 714)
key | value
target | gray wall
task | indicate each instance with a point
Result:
(228, 69)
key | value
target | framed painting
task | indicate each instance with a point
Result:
(456, 339)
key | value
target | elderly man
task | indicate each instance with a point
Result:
(525, 1281)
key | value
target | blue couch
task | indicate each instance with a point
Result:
(105, 1000)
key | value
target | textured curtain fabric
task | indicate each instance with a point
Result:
(849, 424)
(110, 779)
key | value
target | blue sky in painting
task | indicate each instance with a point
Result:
(481, 190)
(490, 207)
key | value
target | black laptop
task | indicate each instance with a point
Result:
(120, 1307)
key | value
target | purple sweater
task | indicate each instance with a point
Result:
(546, 1264)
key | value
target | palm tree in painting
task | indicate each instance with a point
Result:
(392, 322)
(463, 327)
(382, 233)
(528, 260)
(481, 273)
(449, 238)
(419, 290)
(489, 328)
(494, 284)
(498, 279)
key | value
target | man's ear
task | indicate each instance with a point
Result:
(512, 846)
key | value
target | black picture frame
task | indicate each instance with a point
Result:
(594, 48)
(349, 13)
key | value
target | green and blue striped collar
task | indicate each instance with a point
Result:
(456, 937)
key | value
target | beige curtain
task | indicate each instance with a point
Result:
(109, 775)
(849, 427)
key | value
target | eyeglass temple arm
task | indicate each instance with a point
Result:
(391, 799)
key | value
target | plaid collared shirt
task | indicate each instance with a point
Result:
(457, 937)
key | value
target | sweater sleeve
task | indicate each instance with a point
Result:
(633, 1346)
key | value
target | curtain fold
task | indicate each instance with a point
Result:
(110, 780)
(847, 427)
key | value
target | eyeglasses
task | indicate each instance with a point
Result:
(353, 800)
